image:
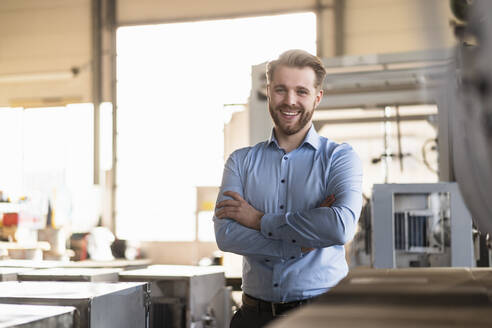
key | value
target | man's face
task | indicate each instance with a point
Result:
(292, 99)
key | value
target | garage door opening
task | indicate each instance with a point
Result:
(173, 83)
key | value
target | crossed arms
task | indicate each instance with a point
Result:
(240, 228)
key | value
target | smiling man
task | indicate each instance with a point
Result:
(289, 204)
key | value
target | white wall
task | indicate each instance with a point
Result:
(131, 11)
(384, 26)
(44, 37)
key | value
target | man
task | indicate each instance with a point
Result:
(288, 205)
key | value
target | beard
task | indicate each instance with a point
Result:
(286, 128)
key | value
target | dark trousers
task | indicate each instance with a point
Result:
(255, 313)
(250, 317)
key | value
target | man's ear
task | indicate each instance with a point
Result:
(319, 96)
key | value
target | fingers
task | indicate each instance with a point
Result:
(328, 201)
(228, 202)
(226, 212)
(306, 249)
(233, 195)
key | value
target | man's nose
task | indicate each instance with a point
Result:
(291, 98)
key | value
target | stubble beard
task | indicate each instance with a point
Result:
(304, 119)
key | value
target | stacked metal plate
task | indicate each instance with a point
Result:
(70, 274)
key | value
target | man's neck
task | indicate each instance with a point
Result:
(291, 142)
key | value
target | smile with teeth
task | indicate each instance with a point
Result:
(288, 113)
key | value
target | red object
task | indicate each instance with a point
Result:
(10, 219)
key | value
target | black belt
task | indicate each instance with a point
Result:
(272, 307)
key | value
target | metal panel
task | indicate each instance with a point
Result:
(383, 255)
(36, 316)
(118, 305)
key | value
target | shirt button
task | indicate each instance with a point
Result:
(275, 285)
(285, 157)
(269, 234)
(283, 180)
(267, 260)
(281, 207)
(292, 257)
(293, 240)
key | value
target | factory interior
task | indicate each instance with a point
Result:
(117, 117)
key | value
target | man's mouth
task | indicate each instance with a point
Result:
(289, 113)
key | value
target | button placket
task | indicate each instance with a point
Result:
(284, 169)
(276, 280)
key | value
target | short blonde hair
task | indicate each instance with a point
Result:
(300, 59)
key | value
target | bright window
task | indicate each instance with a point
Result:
(173, 82)
(47, 155)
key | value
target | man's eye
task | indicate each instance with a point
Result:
(302, 92)
(279, 90)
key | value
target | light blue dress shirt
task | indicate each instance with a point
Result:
(289, 189)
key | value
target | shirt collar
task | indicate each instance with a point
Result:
(312, 138)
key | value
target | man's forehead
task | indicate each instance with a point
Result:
(294, 76)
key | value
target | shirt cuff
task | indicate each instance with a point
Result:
(270, 225)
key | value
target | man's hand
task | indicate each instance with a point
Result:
(239, 210)
(327, 202)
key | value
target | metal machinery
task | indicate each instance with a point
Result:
(106, 305)
(185, 296)
(420, 225)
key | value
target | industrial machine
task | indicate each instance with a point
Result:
(185, 296)
(420, 225)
